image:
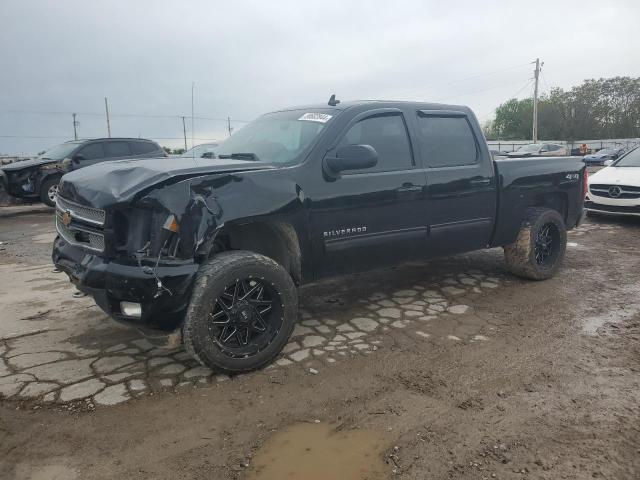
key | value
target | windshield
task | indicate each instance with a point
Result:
(280, 137)
(200, 151)
(631, 159)
(59, 152)
(532, 147)
(607, 151)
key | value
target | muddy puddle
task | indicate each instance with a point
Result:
(317, 452)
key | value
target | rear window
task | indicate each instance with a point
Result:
(117, 149)
(140, 148)
(446, 141)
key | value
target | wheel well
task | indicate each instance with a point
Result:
(276, 240)
(553, 201)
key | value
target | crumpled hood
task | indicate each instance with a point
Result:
(595, 156)
(109, 183)
(22, 164)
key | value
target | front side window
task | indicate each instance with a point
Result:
(446, 141)
(387, 134)
(92, 151)
(59, 152)
(117, 149)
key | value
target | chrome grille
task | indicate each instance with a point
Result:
(614, 191)
(94, 216)
(79, 236)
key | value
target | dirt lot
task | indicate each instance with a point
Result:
(451, 369)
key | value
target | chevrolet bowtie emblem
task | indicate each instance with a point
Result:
(66, 219)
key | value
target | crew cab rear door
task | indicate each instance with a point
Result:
(375, 216)
(461, 184)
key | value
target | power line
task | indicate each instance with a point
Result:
(477, 91)
(89, 138)
(133, 115)
(460, 80)
(515, 95)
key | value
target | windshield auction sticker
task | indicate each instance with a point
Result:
(316, 117)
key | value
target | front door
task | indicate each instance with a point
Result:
(374, 216)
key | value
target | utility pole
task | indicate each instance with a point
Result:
(106, 109)
(229, 125)
(75, 124)
(536, 73)
(184, 131)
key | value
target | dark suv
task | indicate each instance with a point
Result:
(39, 177)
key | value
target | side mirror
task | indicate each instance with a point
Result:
(608, 162)
(78, 158)
(350, 157)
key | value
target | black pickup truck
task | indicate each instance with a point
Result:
(216, 247)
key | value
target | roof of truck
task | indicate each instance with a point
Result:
(378, 103)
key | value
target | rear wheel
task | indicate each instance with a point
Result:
(242, 312)
(49, 191)
(540, 247)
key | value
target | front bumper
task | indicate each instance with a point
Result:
(626, 210)
(110, 282)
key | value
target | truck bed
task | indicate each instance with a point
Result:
(523, 182)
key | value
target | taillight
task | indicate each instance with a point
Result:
(586, 183)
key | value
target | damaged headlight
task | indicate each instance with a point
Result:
(138, 231)
(169, 238)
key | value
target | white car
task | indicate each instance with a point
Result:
(615, 190)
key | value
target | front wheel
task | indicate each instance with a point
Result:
(540, 247)
(49, 191)
(243, 309)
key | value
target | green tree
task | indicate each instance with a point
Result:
(604, 108)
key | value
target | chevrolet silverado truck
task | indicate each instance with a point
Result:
(215, 248)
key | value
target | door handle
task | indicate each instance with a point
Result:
(408, 188)
(480, 181)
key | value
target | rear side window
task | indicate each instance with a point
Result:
(92, 151)
(446, 141)
(140, 148)
(388, 135)
(117, 149)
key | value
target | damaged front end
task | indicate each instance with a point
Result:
(136, 250)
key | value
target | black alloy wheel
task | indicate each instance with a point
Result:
(546, 243)
(246, 317)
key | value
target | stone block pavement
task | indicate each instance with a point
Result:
(56, 349)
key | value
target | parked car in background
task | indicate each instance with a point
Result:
(206, 150)
(615, 190)
(38, 178)
(600, 157)
(498, 153)
(539, 150)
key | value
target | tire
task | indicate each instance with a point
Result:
(48, 191)
(233, 274)
(538, 260)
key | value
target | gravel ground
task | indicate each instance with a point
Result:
(465, 371)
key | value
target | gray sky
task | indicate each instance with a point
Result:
(250, 57)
